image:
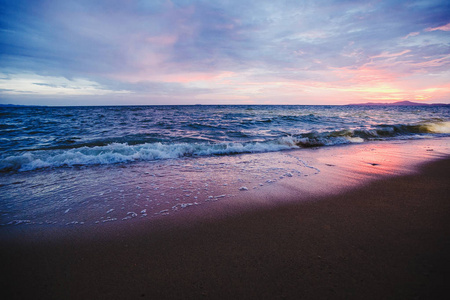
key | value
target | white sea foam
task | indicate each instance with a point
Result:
(183, 205)
(355, 139)
(123, 152)
(18, 222)
(439, 127)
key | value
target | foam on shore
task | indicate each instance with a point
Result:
(145, 190)
(116, 152)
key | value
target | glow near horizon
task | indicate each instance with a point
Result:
(257, 52)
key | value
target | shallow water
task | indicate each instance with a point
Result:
(114, 193)
(105, 193)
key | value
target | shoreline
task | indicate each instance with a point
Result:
(387, 237)
(313, 174)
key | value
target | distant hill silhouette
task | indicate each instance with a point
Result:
(18, 105)
(400, 103)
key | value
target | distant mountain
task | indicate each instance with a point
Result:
(9, 105)
(18, 105)
(400, 103)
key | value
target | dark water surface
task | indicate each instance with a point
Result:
(33, 138)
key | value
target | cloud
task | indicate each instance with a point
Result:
(214, 49)
(445, 27)
(411, 34)
(388, 55)
(28, 83)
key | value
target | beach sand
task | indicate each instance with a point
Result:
(384, 238)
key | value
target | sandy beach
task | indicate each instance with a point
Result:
(385, 238)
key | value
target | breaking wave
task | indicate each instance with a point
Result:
(123, 152)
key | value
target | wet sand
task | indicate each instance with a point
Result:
(388, 238)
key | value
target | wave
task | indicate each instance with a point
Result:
(378, 132)
(123, 152)
(438, 127)
(290, 119)
(117, 152)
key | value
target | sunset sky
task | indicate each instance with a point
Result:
(126, 52)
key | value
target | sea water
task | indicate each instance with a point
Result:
(80, 165)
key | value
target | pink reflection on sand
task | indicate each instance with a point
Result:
(397, 158)
(348, 167)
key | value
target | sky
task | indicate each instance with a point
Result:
(136, 52)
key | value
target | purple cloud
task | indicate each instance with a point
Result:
(151, 48)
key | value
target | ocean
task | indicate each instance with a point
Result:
(91, 165)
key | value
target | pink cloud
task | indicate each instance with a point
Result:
(374, 85)
(150, 75)
(445, 27)
(195, 76)
(388, 55)
(364, 75)
(411, 35)
(438, 62)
